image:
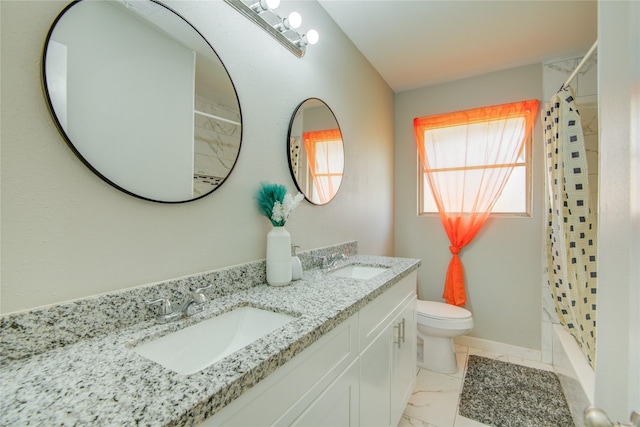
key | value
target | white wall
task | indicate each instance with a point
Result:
(66, 234)
(618, 332)
(503, 265)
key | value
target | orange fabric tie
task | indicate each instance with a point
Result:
(454, 292)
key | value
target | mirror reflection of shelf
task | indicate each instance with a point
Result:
(203, 184)
(211, 116)
(208, 179)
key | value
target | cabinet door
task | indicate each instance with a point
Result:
(281, 397)
(337, 405)
(375, 381)
(403, 361)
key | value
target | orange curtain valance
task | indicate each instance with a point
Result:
(322, 135)
(482, 114)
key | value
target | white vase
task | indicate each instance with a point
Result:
(278, 257)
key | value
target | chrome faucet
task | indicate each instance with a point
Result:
(197, 302)
(195, 305)
(328, 262)
(166, 313)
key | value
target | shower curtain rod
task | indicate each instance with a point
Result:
(593, 48)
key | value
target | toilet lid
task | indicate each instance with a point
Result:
(440, 310)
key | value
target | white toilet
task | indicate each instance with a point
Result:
(438, 323)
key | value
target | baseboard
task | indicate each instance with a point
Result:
(501, 348)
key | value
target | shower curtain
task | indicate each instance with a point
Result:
(572, 231)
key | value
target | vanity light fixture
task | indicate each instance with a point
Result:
(264, 5)
(284, 30)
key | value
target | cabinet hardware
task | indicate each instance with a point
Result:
(400, 326)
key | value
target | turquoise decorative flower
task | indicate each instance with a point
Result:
(275, 203)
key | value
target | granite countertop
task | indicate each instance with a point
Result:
(101, 381)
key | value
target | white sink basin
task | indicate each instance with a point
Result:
(192, 349)
(358, 271)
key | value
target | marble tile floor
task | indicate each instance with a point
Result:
(434, 402)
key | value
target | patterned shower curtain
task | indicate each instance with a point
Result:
(572, 230)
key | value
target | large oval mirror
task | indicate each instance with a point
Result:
(316, 151)
(142, 98)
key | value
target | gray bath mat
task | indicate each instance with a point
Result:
(503, 394)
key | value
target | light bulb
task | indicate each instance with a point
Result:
(264, 5)
(312, 36)
(294, 20)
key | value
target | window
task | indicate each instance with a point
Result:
(459, 152)
(325, 156)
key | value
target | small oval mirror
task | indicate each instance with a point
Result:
(142, 99)
(316, 151)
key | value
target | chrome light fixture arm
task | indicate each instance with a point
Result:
(297, 45)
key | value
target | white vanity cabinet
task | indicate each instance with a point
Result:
(388, 354)
(338, 403)
(403, 361)
(362, 373)
(296, 389)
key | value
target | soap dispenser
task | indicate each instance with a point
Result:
(296, 265)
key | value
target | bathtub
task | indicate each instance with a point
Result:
(574, 372)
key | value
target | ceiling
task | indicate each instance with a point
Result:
(419, 43)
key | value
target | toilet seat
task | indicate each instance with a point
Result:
(441, 311)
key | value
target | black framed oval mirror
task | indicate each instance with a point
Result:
(316, 151)
(142, 98)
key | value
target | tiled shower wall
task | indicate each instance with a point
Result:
(585, 86)
(216, 144)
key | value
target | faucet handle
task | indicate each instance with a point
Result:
(167, 313)
(324, 262)
(198, 295)
(165, 305)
